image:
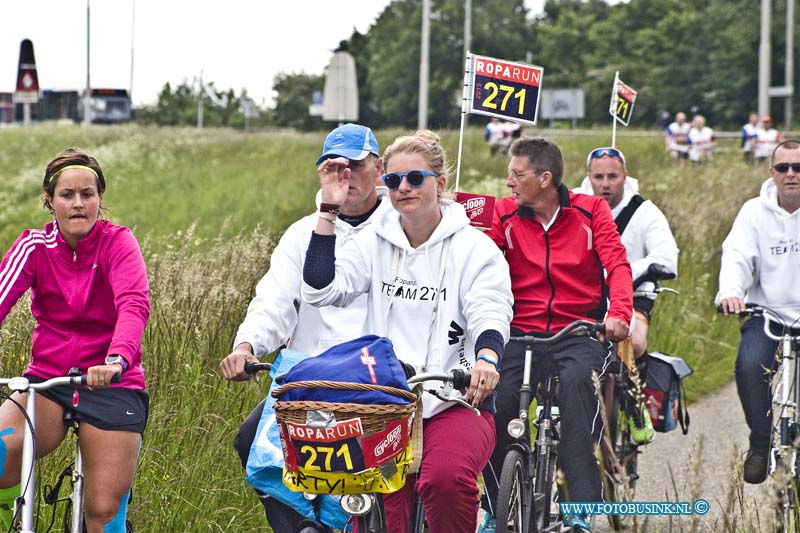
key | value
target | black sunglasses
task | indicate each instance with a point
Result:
(784, 167)
(413, 177)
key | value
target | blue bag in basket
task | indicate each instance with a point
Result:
(369, 359)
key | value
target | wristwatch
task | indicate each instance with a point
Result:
(115, 359)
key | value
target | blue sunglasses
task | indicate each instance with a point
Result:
(413, 177)
(609, 151)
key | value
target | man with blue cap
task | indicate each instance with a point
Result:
(278, 317)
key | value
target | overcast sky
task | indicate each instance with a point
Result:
(236, 44)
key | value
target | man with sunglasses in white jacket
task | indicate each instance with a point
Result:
(277, 315)
(761, 265)
(642, 226)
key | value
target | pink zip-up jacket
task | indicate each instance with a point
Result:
(87, 303)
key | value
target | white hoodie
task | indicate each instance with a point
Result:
(761, 256)
(475, 291)
(647, 237)
(277, 314)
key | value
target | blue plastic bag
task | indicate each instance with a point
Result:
(265, 463)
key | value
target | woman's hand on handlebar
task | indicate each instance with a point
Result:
(232, 367)
(615, 330)
(101, 376)
(484, 380)
(731, 306)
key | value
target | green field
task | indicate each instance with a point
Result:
(208, 206)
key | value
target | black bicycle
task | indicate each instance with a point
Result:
(526, 487)
(622, 399)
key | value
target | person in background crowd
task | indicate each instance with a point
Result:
(702, 141)
(676, 138)
(767, 138)
(749, 138)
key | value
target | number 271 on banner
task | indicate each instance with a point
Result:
(504, 89)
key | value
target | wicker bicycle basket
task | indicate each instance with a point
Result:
(373, 416)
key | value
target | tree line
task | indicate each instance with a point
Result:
(680, 55)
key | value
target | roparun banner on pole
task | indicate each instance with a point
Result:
(503, 89)
(622, 99)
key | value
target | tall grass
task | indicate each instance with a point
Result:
(199, 203)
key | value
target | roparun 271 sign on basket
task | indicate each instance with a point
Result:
(504, 89)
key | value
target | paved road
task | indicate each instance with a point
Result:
(677, 467)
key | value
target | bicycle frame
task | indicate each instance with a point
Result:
(788, 395)
(533, 497)
(24, 505)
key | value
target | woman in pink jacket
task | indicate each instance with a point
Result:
(90, 298)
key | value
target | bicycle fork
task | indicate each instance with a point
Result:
(788, 406)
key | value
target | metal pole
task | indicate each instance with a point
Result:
(133, 26)
(764, 54)
(789, 72)
(467, 43)
(422, 116)
(86, 100)
(200, 97)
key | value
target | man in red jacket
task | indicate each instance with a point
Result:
(567, 263)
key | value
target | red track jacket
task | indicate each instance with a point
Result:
(557, 276)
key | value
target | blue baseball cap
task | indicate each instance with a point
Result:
(352, 141)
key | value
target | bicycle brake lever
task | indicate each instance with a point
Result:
(439, 393)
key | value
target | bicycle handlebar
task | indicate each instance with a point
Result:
(579, 327)
(456, 377)
(251, 368)
(655, 273)
(751, 309)
(22, 384)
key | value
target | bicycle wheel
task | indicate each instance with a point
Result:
(375, 520)
(512, 498)
(620, 461)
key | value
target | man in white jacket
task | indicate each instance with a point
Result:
(278, 316)
(643, 228)
(761, 265)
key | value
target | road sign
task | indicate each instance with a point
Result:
(504, 89)
(560, 104)
(27, 91)
(341, 89)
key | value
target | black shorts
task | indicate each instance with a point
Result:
(644, 305)
(110, 409)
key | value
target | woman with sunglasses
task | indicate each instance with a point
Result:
(440, 290)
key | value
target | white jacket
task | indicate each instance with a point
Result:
(277, 314)
(403, 283)
(761, 256)
(647, 237)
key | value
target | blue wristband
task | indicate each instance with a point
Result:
(485, 357)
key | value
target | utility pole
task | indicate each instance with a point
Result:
(86, 108)
(422, 117)
(788, 80)
(764, 55)
(133, 27)
(200, 98)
